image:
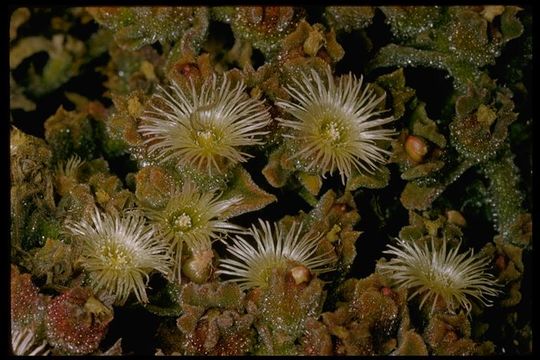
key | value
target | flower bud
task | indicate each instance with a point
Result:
(416, 148)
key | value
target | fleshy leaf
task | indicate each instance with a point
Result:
(378, 180)
(70, 132)
(349, 18)
(154, 185)
(142, 25)
(18, 17)
(252, 197)
(418, 197)
(311, 182)
(166, 302)
(422, 170)
(423, 126)
(398, 93)
(275, 172)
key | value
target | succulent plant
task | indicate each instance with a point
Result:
(271, 180)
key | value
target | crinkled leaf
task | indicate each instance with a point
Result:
(511, 27)
(275, 173)
(70, 132)
(397, 55)
(226, 295)
(262, 27)
(410, 22)
(481, 133)
(27, 47)
(311, 182)
(379, 179)
(252, 197)
(349, 18)
(458, 40)
(166, 301)
(31, 185)
(423, 126)
(415, 197)
(398, 93)
(154, 185)
(142, 25)
(17, 98)
(18, 17)
(422, 170)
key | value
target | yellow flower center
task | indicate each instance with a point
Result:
(117, 258)
(183, 221)
(205, 133)
(332, 132)
(207, 139)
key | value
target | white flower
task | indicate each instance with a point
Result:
(334, 125)
(440, 274)
(203, 128)
(70, 168)
(119, 253)
(23, 343)
(274, 249)
(193, 218)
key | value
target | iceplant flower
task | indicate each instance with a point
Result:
(70, 168)
(119, 253)
(440, 273)
(193, 218)
(333, 124)
(252, 264)
(23, 343)
(203, 128)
